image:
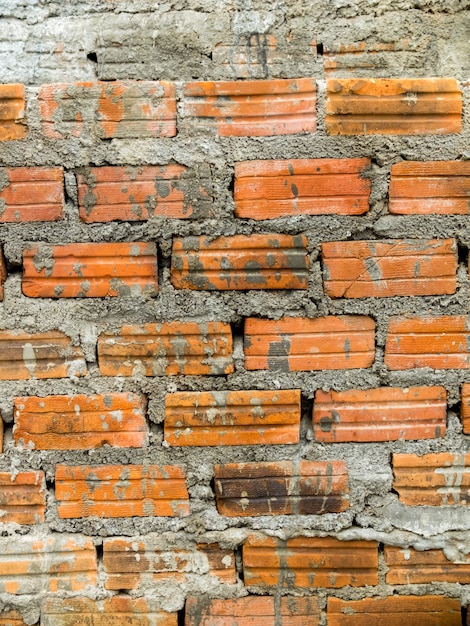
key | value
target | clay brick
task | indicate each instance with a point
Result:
(309, 562)
(12, 618)
(233, 418)
(92, 270)
(119, 109)
(137, 563)
(393, 106)
(382, 414)
(366, 58)
(250, 610)
(430, 188)
(167, 349)
(270, 189)
(281, 488)
(121, 491)
(3, 273)
(433, 479)
(441, 342)
(80, 422)
(26, 356)
(31, 194)
(253, 107)
(1, 435)
(394, 611)
(465, 408)
(12, 112)
(130, 193)
(38, 564)
(407, 566)
(367, 269)
(22, 497)
(251, 57)
(302, 344)
(240, 262)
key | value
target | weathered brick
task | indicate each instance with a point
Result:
(121, 491)
(393, 106)
(3, 273)
(12, 112)
(281, 488)
(167, 349)
(252, 56)
(366, 269)
(26, 356)
(254, 107)
(302, 344)
(92, 270)
(366, 58)
(108, 109)
(465, 408)
(309, 562)
(22, 497)
(407, 566)
(270, 189)
(240, 262)
(232, 418)
(382, 414)
(139, 193)
(427, 188)
(433, 479)
(12, 618)
(80, 422)
(31, 194)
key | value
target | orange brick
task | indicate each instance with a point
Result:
(407, 566)
(427, 188)
(441, 342)
(253, 107)
(22, 497)
(394, 611)
(302, 344)
(281, 488)
(92, 270)
(12, 112)
(3, 273)
(80, 422)
(26, 356)
(433, 479)
(32, 194)
(465, 408)
(366, 269)
(250, 610)
(115, 109)
(12, 618)
(240, 262)
(309, 562)
(233, 418)
(138, 193)
(270, 189)
(393, 106)
(167, 349)
(383, 414)
(1, 435)
(121, 491)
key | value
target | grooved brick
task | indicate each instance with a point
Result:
(12, 618)
(382, 414)
(365, 269)
(465, 408)
(31, 194)
(232, 418)
(363, 58)
(302, 344)
(3, 273)
(80, 422)
(12, 112)
(281, 488)
(270, 189)
(407, 566)
(250, 56)
(241, 262)
(121, 491)
(22, 497)
(92, 270)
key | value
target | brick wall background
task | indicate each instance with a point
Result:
(234, 326)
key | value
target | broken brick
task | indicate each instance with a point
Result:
(465, 408)
(22, 497)
(12, 112)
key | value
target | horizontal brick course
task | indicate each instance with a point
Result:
(12, 112)
(22, 497)
(12, 618)
(32, 194)
(407, 566)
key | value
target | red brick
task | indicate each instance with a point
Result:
(12, 618)
(22, 497)
(427, 188)
(32, 194)
(440, 479)
(92, 270)
(235, 418)
(309, 562)
(367, 269)
(281, 488)
(270, 189)
(80, 422)
(383, 414)
(3, 273)
(465, 408)
(12, 112)
(167, 349)
(25, 356)
(253, 107)
(240, 262)
(407, 566)
(118, 109)
(393, 106)
(302, 344)
(121, 491)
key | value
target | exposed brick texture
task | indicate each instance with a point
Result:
(12, 112)
(12, 618)
(32, 194)
(22, 497)
(407, 566)
(3, 273)
(465, 408)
